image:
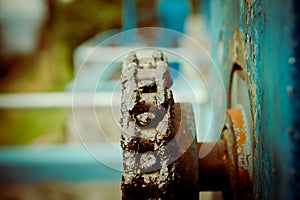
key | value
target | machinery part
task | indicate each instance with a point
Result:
(251, 34)
(229, 166)
(239, 144)
(214, 169)
(155, 134)
(160, 153)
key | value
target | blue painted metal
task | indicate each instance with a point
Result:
(59, 163)
(129, 14)
(173, 15)
(294, 94)
(270, 45)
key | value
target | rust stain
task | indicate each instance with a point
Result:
(242, 141)
(250, 2)
(237, 117)
(239, 128)
(237, 53)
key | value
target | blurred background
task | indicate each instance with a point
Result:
(42, 44)
(38, 39)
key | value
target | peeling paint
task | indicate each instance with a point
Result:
(270, 33)
(237, 54)
(244, 144)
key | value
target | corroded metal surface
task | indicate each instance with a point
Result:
(151, 140)
(187, 164)
(240, 154)
(229, 166)
(263, 38)
(244, 143)
(214, 169)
